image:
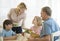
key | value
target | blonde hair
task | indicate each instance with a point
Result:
(22, 5)
(39, 20)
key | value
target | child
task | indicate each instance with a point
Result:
(35, 30)
(8, 34)
(37, 21)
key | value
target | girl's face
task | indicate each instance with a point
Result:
(8, 27)
(35, 21)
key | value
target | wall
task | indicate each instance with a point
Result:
(33, 9)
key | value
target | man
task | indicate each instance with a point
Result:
(49, 25)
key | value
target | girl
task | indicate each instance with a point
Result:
(37, 21)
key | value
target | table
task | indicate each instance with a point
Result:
(12, 40)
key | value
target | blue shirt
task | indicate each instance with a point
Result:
(6, 33)
(49, 27)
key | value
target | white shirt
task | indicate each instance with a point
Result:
(17, 20)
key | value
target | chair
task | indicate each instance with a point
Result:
(55, 36)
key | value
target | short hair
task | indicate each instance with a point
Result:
(22, 5)
(6, 22)
(47, 10)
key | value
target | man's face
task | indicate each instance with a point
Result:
(43, 15)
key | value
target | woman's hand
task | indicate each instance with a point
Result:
(22, 33)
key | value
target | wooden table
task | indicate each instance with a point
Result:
(28, 40)
(10, 40)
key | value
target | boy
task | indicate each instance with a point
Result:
(8, 34)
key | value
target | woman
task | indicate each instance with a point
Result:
(17, 16)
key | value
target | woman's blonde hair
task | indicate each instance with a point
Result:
(22, 5)
(39, 20)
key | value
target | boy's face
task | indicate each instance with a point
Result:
(43, 15)
(8, 27)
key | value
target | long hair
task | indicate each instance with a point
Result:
(22, 5)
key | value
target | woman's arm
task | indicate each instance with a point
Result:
(23, 21)
(11, 15)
